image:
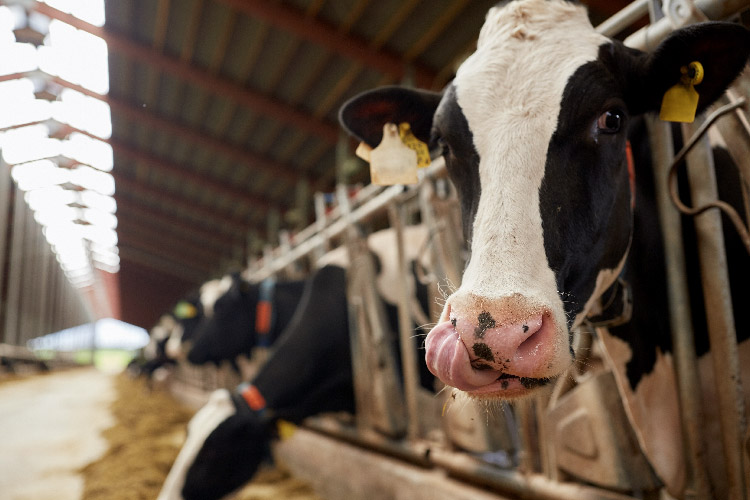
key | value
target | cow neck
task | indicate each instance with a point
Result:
(618, 308)
(265, 316)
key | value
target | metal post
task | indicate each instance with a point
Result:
(683, 341)
(5, 190)
(397, 217)
(15, 266)
(718, 300)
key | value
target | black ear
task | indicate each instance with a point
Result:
(721, 48)
(363, 116)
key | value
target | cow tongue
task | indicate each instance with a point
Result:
(448, 359)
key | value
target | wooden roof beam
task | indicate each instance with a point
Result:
(170, 168)
(132, 222)
(256, 101)
(206, 226)
(297, 23)
(160, 249)
(165, 243)
(163, 266)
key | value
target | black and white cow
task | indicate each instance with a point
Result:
(308, 371)
(246, 315)
(534, 130)
(165, 338)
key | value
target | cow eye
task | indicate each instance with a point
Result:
(610, 121)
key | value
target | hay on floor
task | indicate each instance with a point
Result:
(149, 431)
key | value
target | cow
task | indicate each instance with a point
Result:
(534, 130)
(246, 315)
(308, 371)
(165, 337)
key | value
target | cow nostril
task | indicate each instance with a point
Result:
(534, 339)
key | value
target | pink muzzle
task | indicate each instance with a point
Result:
(503, 354)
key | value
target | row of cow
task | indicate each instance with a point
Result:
(305, 326)
(543, 138)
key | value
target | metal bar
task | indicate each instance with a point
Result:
(371, 207)
(718, 300)
(627, 16)
(14, 275)
(683, 340)
(397, 218)
(5, 190)
(648, 37)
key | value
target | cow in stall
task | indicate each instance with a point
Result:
(308, 372)
(241, 316)
(165, 337)
(535, 131)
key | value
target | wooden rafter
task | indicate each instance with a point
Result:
(170, 168)
(188, 221)
(294, 21)
(162, 265)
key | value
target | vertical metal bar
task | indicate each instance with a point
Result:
(44, 285)
(321, 221)
(662, 152)
(5, 190)
(25, 322)
(15, 266)
(718, 300)
(397, 217)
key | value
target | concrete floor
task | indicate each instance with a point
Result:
(50, 427)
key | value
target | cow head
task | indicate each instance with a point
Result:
(533, 130)
(228, 328)
(225, 444)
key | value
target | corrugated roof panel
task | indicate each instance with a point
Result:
(271, 60)
(240, 49)
(214, 22)
(180, 22)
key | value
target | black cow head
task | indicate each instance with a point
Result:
(229, 330)
(533, 130)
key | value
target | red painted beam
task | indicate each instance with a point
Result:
(214, 216)
(300, 25)
(185, 174)
(202, 227)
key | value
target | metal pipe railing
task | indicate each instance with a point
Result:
(719, 314)
(662, 152)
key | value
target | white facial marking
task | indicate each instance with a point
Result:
(510, 91)
(173, 348)
(211, 291)
(218, 409)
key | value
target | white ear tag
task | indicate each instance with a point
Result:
(392, 162)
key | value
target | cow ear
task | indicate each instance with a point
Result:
(364, 115)
(721, 48)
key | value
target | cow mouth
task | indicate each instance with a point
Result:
(510, 386)
(449, 360)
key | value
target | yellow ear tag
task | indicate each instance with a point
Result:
(392, 162)
(681, 101)
(185, 310)
(285, 429)
(408, 138)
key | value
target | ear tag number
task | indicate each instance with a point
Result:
(392, 162)
(411, 141)
(681, 101)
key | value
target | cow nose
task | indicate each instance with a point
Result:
(515, 346)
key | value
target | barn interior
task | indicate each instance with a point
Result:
(173, 144)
